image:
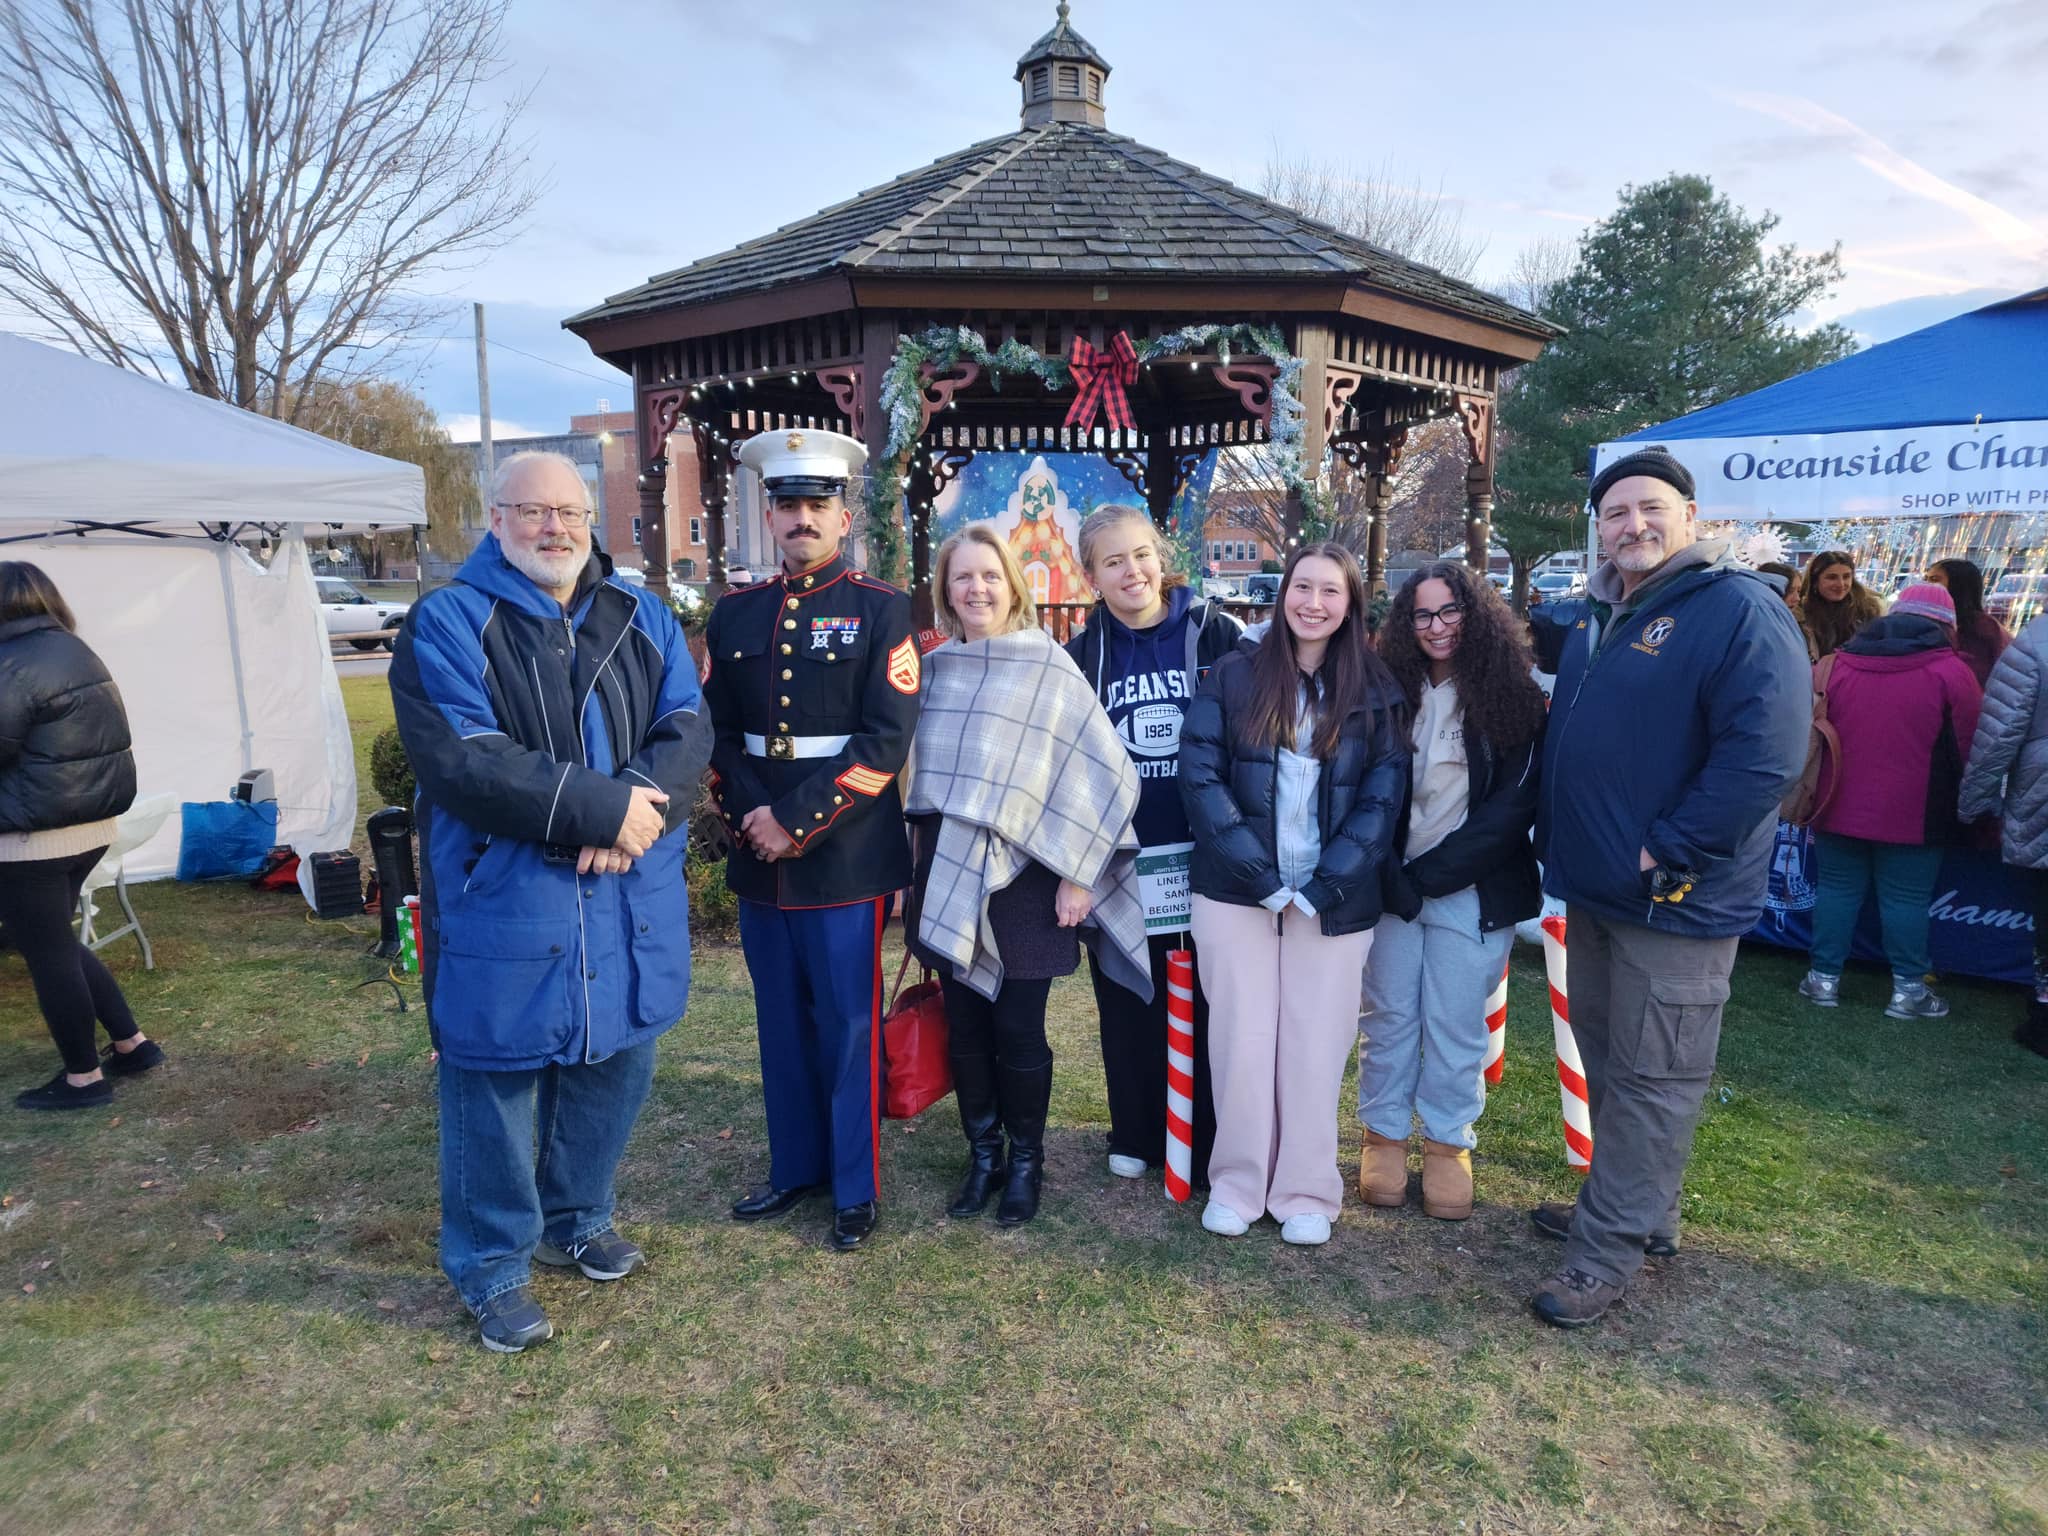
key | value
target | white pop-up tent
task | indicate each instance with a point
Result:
(148, 506)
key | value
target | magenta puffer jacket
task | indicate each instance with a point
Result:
(1905, 707)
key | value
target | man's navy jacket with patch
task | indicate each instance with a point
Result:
(527, 729)
(1678, 733)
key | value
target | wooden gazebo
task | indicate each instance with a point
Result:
(969, 283)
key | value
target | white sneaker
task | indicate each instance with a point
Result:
(1308, 1229)
(1223, 1221)
(1126, 1167)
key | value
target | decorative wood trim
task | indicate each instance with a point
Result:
(844, 385)
(946, 464)
(1128, 463)
(663, 412)
(1252, 379)
(939, 388)
(1339, 385)
(1475, 414)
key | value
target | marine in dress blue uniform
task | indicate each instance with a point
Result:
(814, 695)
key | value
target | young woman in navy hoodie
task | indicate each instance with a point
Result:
(1148, 643)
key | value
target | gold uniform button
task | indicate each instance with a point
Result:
(785, 674)
(789, 623)
(792, 602)
(785, 697)
(782, 725)
(831, 655)
(809, 579)
(838, 800)
(785, 650)
(735, 655)
(817, 815)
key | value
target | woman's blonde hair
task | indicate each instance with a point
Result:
(1023, 611)
(1106, 517)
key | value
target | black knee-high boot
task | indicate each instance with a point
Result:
(974, 1087)
(1026, 1095)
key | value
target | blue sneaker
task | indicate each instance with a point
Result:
(511, 1320)
(601, 1256)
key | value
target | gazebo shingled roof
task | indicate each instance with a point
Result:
(1058, 232)
(1066, 199)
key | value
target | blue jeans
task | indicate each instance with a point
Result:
(1905, 874)
(527, 1155)
(1422, 1039)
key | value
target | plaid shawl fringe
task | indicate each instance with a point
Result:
(1016, 755)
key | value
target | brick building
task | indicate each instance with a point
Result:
(1229, 546)
(604, 447)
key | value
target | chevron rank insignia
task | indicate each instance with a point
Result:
(863, 780)
(903, 668)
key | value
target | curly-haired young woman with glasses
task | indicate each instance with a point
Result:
(1461, 876)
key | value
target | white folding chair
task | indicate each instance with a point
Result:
(137, 825)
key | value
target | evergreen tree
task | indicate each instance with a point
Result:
(1675, 303)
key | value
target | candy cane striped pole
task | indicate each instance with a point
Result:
(1571, 1072)
(1180, 1073)
(1497, 1031)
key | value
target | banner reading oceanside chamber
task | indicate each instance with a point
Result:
(1857, 476)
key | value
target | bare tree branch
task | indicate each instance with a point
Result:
(1379, 206)
(248, 195)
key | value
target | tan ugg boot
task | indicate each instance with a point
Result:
(1383, 1170)
(1446, 1181)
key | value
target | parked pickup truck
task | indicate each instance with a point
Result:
(363, 622)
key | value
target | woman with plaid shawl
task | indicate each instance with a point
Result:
(1021, 797)
(1293, 765)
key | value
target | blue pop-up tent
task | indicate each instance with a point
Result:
(1948, 421)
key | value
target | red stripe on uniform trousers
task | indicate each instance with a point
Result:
(875, 1051)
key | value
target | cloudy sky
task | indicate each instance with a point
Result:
(670, 129)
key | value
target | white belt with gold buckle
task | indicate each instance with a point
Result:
(788, 748)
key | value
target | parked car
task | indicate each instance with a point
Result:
(1262, 588)
(364, 622)
(1556, 586)
(2017, 598)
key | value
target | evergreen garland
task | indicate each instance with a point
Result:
(941, 348)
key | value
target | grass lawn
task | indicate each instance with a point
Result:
(220, 1309)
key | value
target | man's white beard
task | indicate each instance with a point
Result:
(1642, 555)
(546, 570)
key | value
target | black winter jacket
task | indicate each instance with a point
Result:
(1490, 850)
(64, 758)
(1229, 788)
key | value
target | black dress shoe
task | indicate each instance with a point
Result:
(764, 1203)
(852, 1226)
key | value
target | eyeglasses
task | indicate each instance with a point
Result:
(1451, 615)
(535, 513)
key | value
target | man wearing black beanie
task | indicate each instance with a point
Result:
(1679, 719)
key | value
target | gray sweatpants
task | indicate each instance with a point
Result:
(1422, 1032)
(1646, 1011)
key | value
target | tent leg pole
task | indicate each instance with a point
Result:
(227, 587)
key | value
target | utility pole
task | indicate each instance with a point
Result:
(486, 463)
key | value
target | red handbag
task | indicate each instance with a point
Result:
(917, 1075)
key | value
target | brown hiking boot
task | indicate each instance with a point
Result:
(1574, 1299)
(1446, 1181)
(1383, 1170)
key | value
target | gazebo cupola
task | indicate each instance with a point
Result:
(1062, 77)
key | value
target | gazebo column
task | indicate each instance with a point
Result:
(714, 489)
(1475, 414)
(1383, 462)
(661, 412)
(1162, 475)
(863, 406)
(1312, 344)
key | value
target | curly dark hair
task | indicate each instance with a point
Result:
(1492, 664)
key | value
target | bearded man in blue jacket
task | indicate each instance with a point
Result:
(554, 724)
(1679, 720)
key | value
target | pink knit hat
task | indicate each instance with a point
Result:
(1927, 600)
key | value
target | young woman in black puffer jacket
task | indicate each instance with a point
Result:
(1293, 764)
(65, 775)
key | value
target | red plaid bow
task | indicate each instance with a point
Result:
(1103, 377)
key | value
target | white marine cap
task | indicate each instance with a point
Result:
(802, 461)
